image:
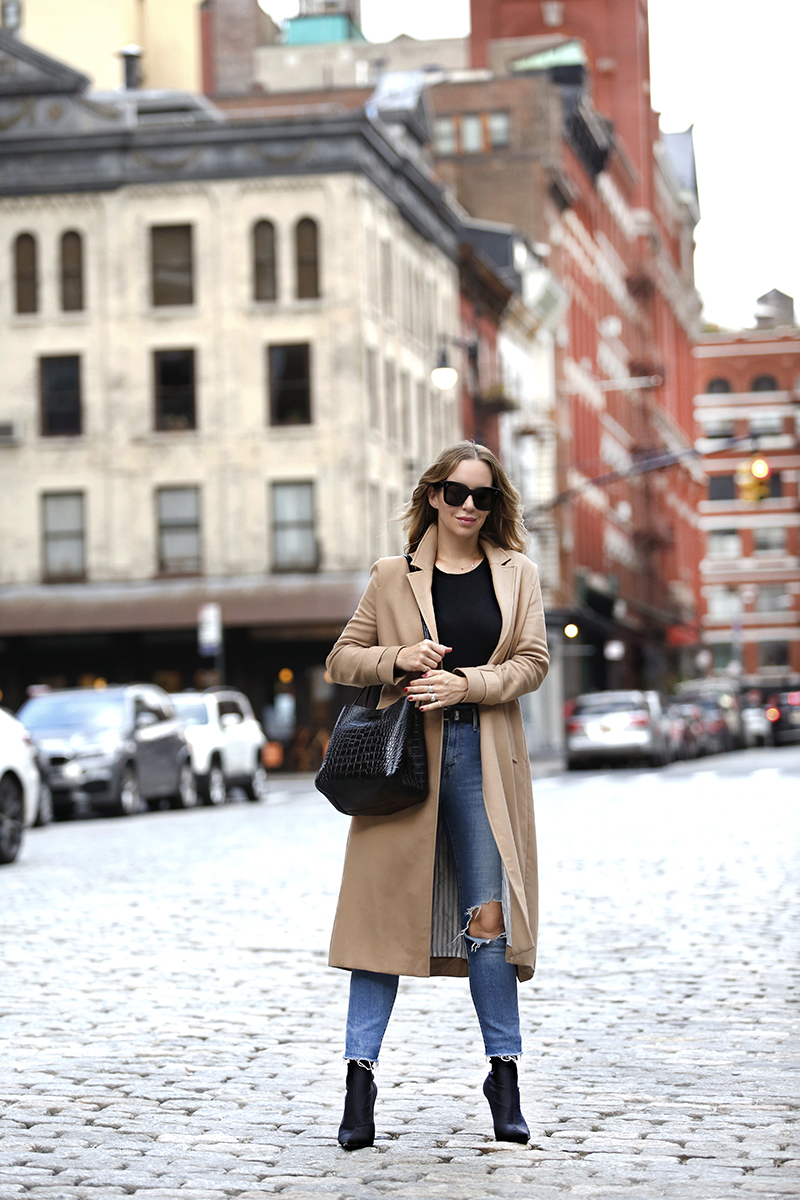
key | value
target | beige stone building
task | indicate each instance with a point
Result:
(217, 339)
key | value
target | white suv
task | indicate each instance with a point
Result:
(225, 740)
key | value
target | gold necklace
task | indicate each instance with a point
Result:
(470, 566)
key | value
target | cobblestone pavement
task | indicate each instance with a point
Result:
(170, 1029)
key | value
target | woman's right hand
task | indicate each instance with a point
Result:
(422, 656)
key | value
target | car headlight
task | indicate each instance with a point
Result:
(73, 770)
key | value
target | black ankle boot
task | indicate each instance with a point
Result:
(358, 1127)
(502, 1092)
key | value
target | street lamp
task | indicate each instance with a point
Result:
(443, 376)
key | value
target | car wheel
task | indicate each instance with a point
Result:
(187, 788)
(11, 818)
(129, 798)
(44, 813)
(256, 786)
(212, 787)
(573, 764)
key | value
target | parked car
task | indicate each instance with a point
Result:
(688, 730)
(614, 726)
(715, 739)
(757, 726)
(19, 785)
(225, 740)
(116, 748)
(783, 714)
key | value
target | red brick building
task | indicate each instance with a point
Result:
(561, 141)
(748, 407)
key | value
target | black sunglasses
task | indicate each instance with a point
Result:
(454, 495)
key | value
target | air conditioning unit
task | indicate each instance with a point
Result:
(10, 433)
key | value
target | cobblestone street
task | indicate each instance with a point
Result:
(170, 1028)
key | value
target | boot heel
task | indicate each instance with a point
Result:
(358, 1126)
(502, 1091)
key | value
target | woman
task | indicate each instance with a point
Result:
(447, 887)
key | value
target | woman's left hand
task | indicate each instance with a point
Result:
(437, 689)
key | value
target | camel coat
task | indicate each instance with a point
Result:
(398, 910)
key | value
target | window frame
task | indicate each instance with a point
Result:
(307, 260)
(158, 267)
(289, 384)
(51, 536)
(169, 423)
(265, 264)
(44, 420)
(71, 275)
(311, 562)
(26, 275)
(163, 525)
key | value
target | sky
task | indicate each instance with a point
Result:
(728, 68)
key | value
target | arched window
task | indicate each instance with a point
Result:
(26, 275)
(764, 383)
(718, 385)
(306, 239)
(71, 272)
(265, 275)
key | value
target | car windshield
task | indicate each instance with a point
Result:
(190, 710)
(74, 710)
(587, 705)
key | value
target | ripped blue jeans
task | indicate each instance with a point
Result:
(492, 981)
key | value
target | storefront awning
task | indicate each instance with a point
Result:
(275, 601)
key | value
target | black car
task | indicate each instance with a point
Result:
(116, 748)
(783, 713)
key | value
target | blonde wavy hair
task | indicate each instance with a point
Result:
(504, 525)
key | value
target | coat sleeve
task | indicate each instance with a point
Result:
(357, 659)
(526, 667)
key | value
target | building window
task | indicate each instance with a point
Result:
(422, 422)
(775, 485)
(265, 276)
(171, 260)
(387, 279)
(719, 427)
(390, 394)
(60, 389)
(471, 134)
(71, 272)
(293, 530)
(769, 539)
(721, 487)
(371, 380)
(307, 248)
(718, 385)
(445, 135)
(499, 130)
(723, 601)
(174, 390)
(290, 384)
(64, 536)
(773, 654)
(178, 530)
(26, 274)
(722, 655)
(724, 543)
(765, 425)
(764, 383)
(405, 410)
(772, 598)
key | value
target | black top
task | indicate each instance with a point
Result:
(467, 616)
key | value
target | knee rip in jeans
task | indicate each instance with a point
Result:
(484, 924)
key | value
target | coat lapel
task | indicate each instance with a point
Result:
(504, 578)
(420, 577)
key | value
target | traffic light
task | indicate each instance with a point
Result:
(752, 480)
